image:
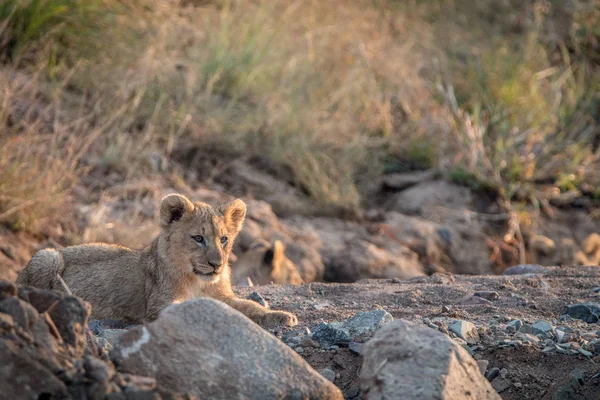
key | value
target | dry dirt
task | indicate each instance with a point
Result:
(534, 374)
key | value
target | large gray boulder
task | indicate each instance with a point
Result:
(407, 361)
(208, 349)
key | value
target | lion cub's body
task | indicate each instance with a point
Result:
(188, 259)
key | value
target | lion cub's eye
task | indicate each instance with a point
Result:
(224, 240)
(199, 239)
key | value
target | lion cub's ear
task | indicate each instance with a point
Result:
(173, 207)
(275, 255)
(234, 213)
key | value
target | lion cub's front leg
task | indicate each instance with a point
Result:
(261, 315)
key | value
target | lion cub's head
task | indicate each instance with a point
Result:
(264, 263)
(197, 238)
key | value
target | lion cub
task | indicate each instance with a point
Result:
(264, 263)
(188, 259)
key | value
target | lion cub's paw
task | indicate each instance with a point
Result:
(278, 318)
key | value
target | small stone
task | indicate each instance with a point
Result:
(353, 392)
(365, 323)
(518, 385)
(524, 269)
(255, 296)
(528, 337)
(96, 327)
(588, 312)
(514, 325)
(585, 352)
(476, 301)
(483, 364)
(488, 295)
(328, 374)
(492, 373)
(445, 309)
(306, 341)
(355, 348)
(328, 335)
(500, 384)
(539, 328)
(466, 331)
(589, 335)
(597, 290)
(299, 350)
(503, 372)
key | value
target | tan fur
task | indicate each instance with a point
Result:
(590, 254)
(135, 285)
(264, 264)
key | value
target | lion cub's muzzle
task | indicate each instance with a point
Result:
(209, 270)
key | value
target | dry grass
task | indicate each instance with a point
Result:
(337, 92)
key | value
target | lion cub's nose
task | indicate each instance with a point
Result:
(216, 265)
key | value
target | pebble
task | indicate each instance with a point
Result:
(539, 328)
(500, 384)
(255, 296)
(483, 364)
(353, 392)
(328, 335)
(299, 350)
(466, 331)
(588, 312)
(524, 269)
(445, 309)
(514, 325)
(528, 337)
(365, 323)
(355, 348)
(476, 301)
(328, 374)
(492, 373)
(597, 290)
(518, 385)
(488, 295)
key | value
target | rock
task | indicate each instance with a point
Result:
(329, 334)
(500, 384)
(404, 181)
(514, 325)
(419, 363)
(417, 199)
(350, 251)
(466, 331)
(328, 374)
(492, 373)
(353, 392)
(445, 309)
(46, 357)
(539, 328)
(255, 296)
(526, 337)
(524, 269)
(212, 343)
(366, 323)
(483, 364)
(588, 312)
(488, 295)
(355, 348)
(113, 335)
(476, 301)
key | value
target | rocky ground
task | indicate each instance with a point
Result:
(533, 332)
(515, 326)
